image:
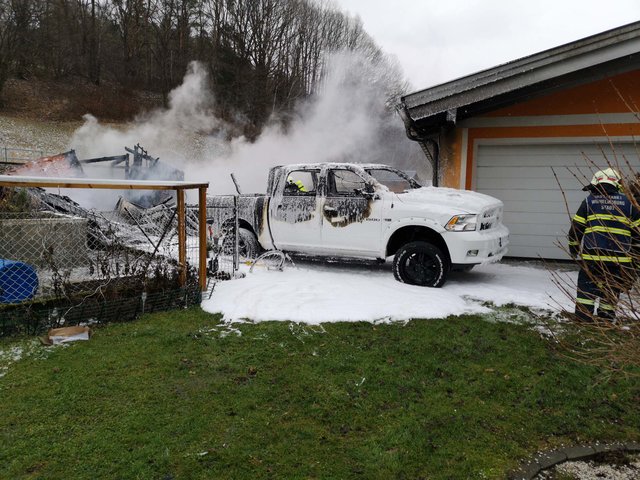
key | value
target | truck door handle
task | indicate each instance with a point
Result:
(330, 210)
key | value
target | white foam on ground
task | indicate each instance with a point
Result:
(315, 293)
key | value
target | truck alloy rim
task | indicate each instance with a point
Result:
(422, 269)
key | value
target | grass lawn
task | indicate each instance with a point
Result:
(181, 396)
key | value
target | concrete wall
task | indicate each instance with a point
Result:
(46, 241)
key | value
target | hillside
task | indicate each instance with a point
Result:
(42, 115)
(343, 123)
(70, 99)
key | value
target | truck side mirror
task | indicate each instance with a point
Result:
(367, 192)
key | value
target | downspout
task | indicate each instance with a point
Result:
(425, 141)
(433, 156)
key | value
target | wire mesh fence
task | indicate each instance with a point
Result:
(34, 317)
(235, 248)
(12, 156)
(70, 261)
(222, 234)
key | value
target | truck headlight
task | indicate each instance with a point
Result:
(462, 223)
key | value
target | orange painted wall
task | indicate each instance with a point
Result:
(611, 95)
(453, 150)
(618, 94)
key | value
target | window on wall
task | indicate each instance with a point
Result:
(345, 182)
(302, 182)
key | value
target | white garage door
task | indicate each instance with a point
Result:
(522, 176)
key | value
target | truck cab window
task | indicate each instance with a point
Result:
(301, 182)
(345, 182)
(392, 180)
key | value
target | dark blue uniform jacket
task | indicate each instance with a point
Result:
(606, 226)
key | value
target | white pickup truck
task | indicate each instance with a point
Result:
(368, 211)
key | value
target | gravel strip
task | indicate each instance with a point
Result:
(622, 467)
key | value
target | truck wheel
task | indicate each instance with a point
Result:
(421, 263)
(248, 246)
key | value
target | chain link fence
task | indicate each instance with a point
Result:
(234, 248)
(223, 260)
(61, 263)
(11, 156)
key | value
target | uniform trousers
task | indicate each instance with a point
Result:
(599, 286)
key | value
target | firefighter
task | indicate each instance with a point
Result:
(603, 232)
(297, 183)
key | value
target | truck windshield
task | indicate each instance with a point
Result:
(393, 180)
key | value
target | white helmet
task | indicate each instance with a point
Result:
(608, 175)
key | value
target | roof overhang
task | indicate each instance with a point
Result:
(599, 56)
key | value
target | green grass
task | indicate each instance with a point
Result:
(180, 396)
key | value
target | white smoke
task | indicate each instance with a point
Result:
(345, 121)
(170, 134)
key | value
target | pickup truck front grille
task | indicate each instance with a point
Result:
(491, 218)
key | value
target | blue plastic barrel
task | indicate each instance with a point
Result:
(18, 281)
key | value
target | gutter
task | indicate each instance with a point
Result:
(418, 135)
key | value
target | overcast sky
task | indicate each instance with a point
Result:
(440, 40)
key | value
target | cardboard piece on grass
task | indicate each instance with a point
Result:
(56, 336)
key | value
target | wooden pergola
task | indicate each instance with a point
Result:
(179, 187)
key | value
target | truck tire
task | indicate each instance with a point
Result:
(248, 246)
(421, 263)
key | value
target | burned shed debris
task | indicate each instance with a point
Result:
(146, 167)
(141, 245)
(71, 245)
(141, 167)
(61, 165)
(136, 213)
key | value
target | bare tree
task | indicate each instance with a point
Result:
(607, 330)
(132, 18)
(7, 41)
(263, 55)
(23, 13)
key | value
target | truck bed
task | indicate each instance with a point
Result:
(251, 208)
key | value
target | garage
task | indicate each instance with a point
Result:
(506, 130)
(524, 175)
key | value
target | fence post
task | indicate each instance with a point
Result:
(202, 230)
(236, 235)
(182, 238)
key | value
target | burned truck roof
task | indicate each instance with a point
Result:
(308, 166)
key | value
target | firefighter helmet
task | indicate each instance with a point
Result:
(297, 184)
(608, 175)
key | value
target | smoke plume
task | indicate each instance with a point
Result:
(346, 120)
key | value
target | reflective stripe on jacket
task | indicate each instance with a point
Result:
(606, 225)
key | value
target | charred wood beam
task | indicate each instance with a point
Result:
(140, 154)
(117, 159)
